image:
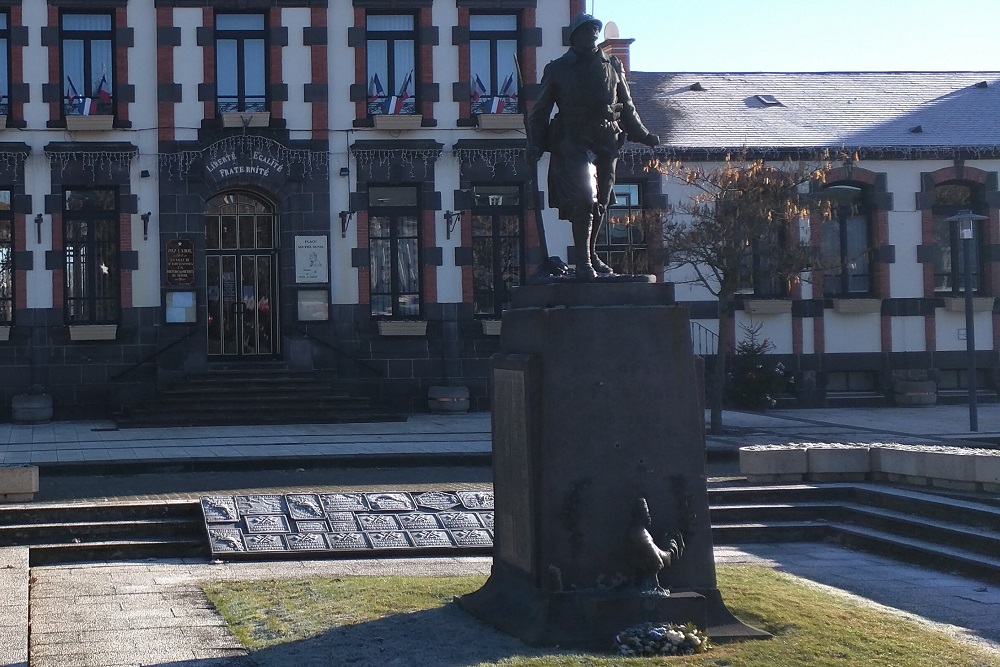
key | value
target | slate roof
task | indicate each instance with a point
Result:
(873, 110)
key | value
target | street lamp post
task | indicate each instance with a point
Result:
(965, 220)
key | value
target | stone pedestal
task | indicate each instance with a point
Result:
(595, 404)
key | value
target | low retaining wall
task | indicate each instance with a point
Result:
(962, 468)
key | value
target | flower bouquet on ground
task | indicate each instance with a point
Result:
(651, 639)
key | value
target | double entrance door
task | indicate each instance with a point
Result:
(242, 277)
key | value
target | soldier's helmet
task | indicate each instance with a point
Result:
(582, 19)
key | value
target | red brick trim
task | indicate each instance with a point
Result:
(208, 60)
(274, 74)
(958, 173)
(20, 223)
(360, 64)
(55, 75)
(364, 272)
(851, 174)
(165, 74)
(121, 64)
(55, 220)
(428, 238)
(125, 243)
(468, 284)
(425, 63)
(318, 60)
(16, 62)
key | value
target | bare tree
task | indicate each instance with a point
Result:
(739, 227)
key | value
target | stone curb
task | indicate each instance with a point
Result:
(14, 605)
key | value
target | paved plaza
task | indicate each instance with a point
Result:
(154, 613)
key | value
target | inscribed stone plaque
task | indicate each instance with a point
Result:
(304, 506)
(344, 502)
(267, 523)
(476, 500)
(389, 501)
(431, 538)
(347, 541)
(418, 521)
(312, 526)
(511, 467)
(226, 539)
(377, 522)
(260, 504)
(473, 538)
(389, 539)
(436, 500)
(455, 520)
(306, 542)
(179, 261)
(342, 522)
(219, 508)
(265, 542)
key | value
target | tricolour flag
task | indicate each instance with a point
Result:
(375, 89)
(394, 105)
(71, 93)
(103, 95)
(478, 88)
(497, 104)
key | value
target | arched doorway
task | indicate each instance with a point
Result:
(242, 276)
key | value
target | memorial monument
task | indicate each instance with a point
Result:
(602, 517)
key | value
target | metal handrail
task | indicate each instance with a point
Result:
(153, 356)
(704, 341)
(305, 332)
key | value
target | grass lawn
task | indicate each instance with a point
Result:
(410, 621)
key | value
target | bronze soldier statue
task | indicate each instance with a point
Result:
(595, 116)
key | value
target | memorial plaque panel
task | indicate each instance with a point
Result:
(265, 543)
(344, 502)
(226, 540)
(473, 538)
(458, 520)
(347, 541)
(431, 538)
(306, 542)
(487, 519)
(389, 501)
(512, 465)
(260, 504)
(179, 262)
(342, 522)
(304, 506)
(389, 539)
(312, 526)
(377, 522)
(476, 500)
(437, 500)
(219, 508)
(418, 521)
(267, 523)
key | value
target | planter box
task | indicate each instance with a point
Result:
(988, 472)
(767, 306)
(4, 334)
(501, 121)
(841, 464)
(762, 464)
(857, 306)
(398, 121)
(403, 328)
(18, 483)
(980, 304)
(492, 327)
(898, 464)
(251, 118)
(93, 332)
(951, 469)
(90, 123)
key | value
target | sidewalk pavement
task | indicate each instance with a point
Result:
(444, 438)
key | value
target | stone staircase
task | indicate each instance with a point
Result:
(952, 532)
(259, 394)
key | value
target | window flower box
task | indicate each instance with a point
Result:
(4, 334)
(980, 304)
(857, 306)
(398, 121)
(492, 327)
(96, 123)
(93, 332)
(251, 118)
(402, 328)
(767, 306)
(501, 121)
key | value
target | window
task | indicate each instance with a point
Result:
(844, 243)
(392, 52)
(90, 229)
(240, 73)
(496, 247)
(6, 260)
(492, 47)
(949, 255)
(394, 242)
(621, 241)
(4, 65)
(758, 276)
(88, 64)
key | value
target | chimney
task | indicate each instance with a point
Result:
(614, 45)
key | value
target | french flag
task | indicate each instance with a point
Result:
(478, 88)
(395, 103)
(499, 102)
(103, 95)
(375, 89)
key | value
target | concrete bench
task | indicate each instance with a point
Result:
(18, 483)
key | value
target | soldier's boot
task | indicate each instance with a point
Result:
(600, 267)
(581, 240)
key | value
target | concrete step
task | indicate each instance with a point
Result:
(57, 553)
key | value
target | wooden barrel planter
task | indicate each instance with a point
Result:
(916, 393)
